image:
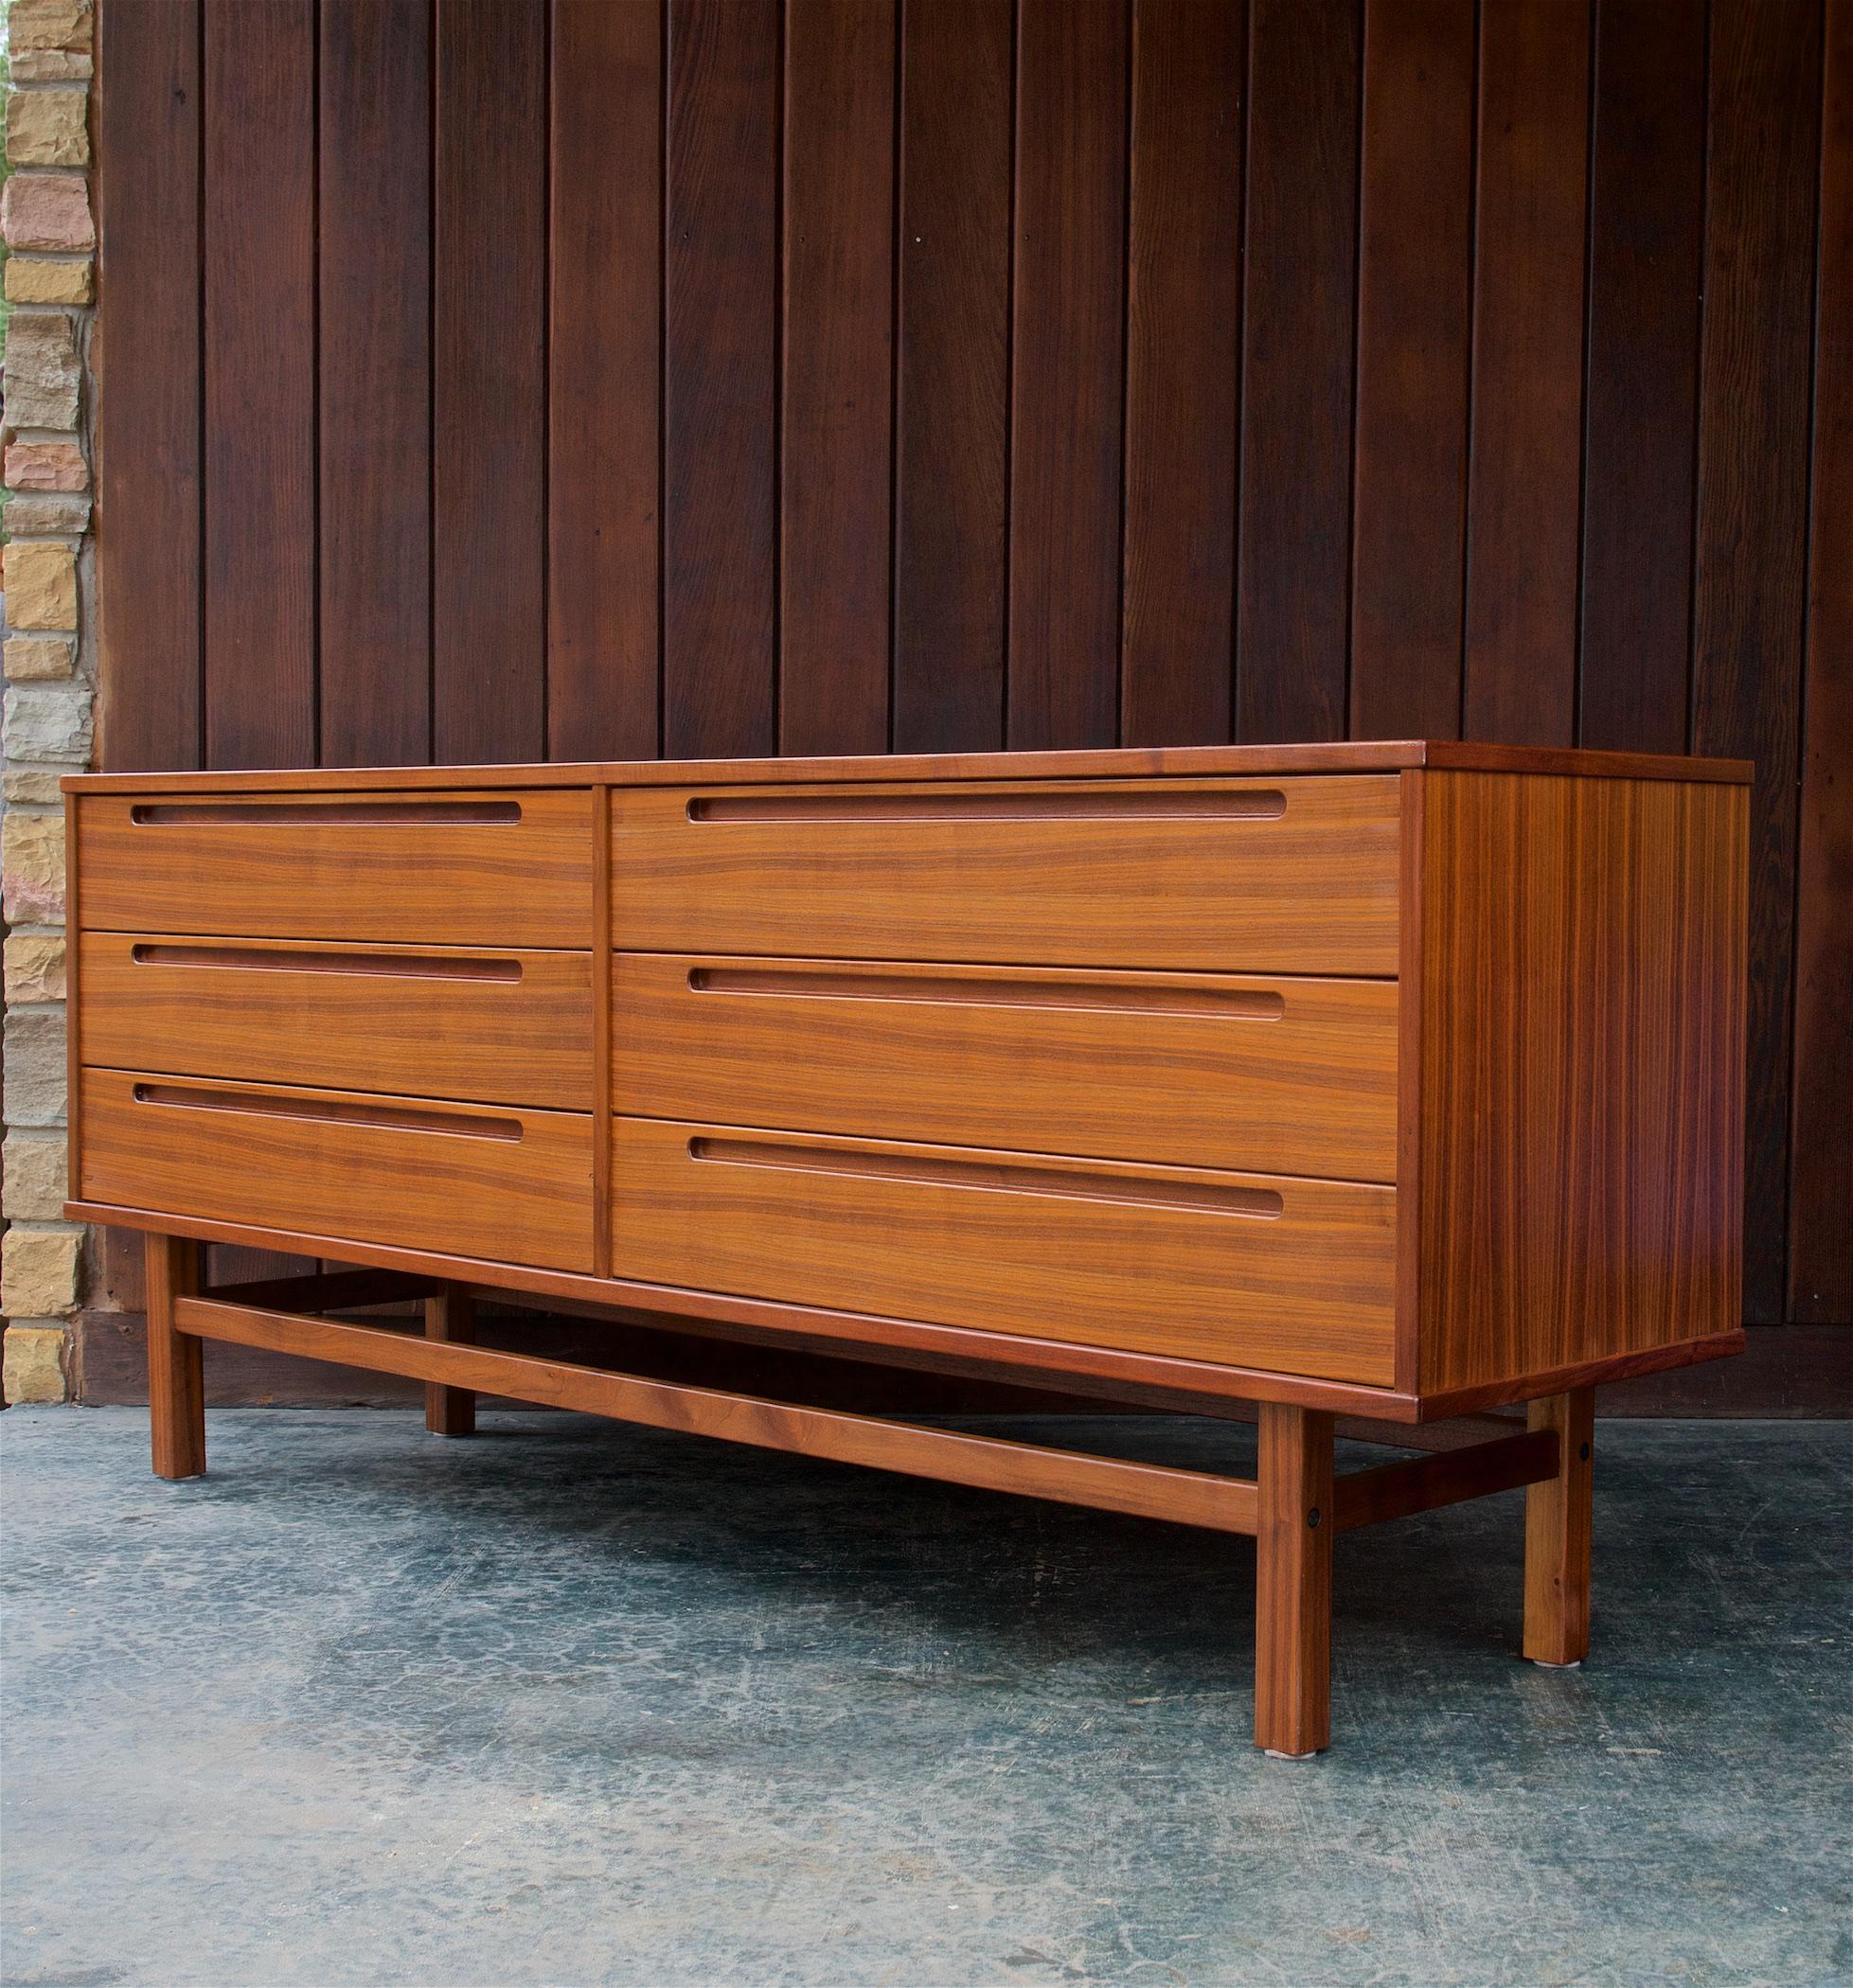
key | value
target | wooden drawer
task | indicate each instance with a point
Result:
(513, 1186)
(493, 1026)
(1287, 1075)
(502, 868)
(1293, 876)
(1250, 1269)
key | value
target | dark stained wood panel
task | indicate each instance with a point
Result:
(373, 286)
(1525, 495)
(1414, 186)
(1183, 238)
(1299, 328)
(1645, 216)
(258, 225)
(720, 417)
(1751, 525)
(489, 391)
(1068, 374)
(836, 444)
(604, 334)
(1821, 1176)
(952, 432)
(148, 460)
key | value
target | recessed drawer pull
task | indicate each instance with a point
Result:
(415, 966)
(1260, 804)
(996, 1177)
(978, 991)
(394, 1118)
(330, 814)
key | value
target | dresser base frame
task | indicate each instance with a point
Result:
(1293, 1507)
(1125, 1380)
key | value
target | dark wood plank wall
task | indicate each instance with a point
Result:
(484, 379)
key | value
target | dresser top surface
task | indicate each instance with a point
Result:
(1130, 762)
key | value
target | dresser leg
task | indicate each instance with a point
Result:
(1293, 1582)
(450, 1314)
(1557, 1513)
(176, 1386)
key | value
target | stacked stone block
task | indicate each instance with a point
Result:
(50, 665)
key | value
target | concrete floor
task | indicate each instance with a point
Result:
(578, 1704)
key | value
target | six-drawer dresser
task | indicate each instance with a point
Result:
(1356, 1087)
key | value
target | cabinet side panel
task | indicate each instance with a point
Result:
(73, 999)
(1582, 1103)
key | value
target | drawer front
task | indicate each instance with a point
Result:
(1248, 1270)
(1285, 1076)
(514, 1186)
(490, 1026)
(457, 869)
(1286, 876)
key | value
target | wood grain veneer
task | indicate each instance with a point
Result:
(488, 1024)
(432, 1175)
(1582, 1103)
(484, 869)
(1289, 875)
(1258, 1269)
(1534, 938)
(1284, 1075)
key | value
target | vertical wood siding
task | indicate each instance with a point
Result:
(1183, 263)
(604, 335)
(374, 447)
(1415, 185)
(492, 379)
(836, 392)
(1299, 342)
(721, 324)
(1819, 1248)
(952, 389)
(258, 223)
(488, 433)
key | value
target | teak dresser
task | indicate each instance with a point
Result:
(1390, 1082)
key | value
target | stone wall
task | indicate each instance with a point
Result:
(50, 658)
